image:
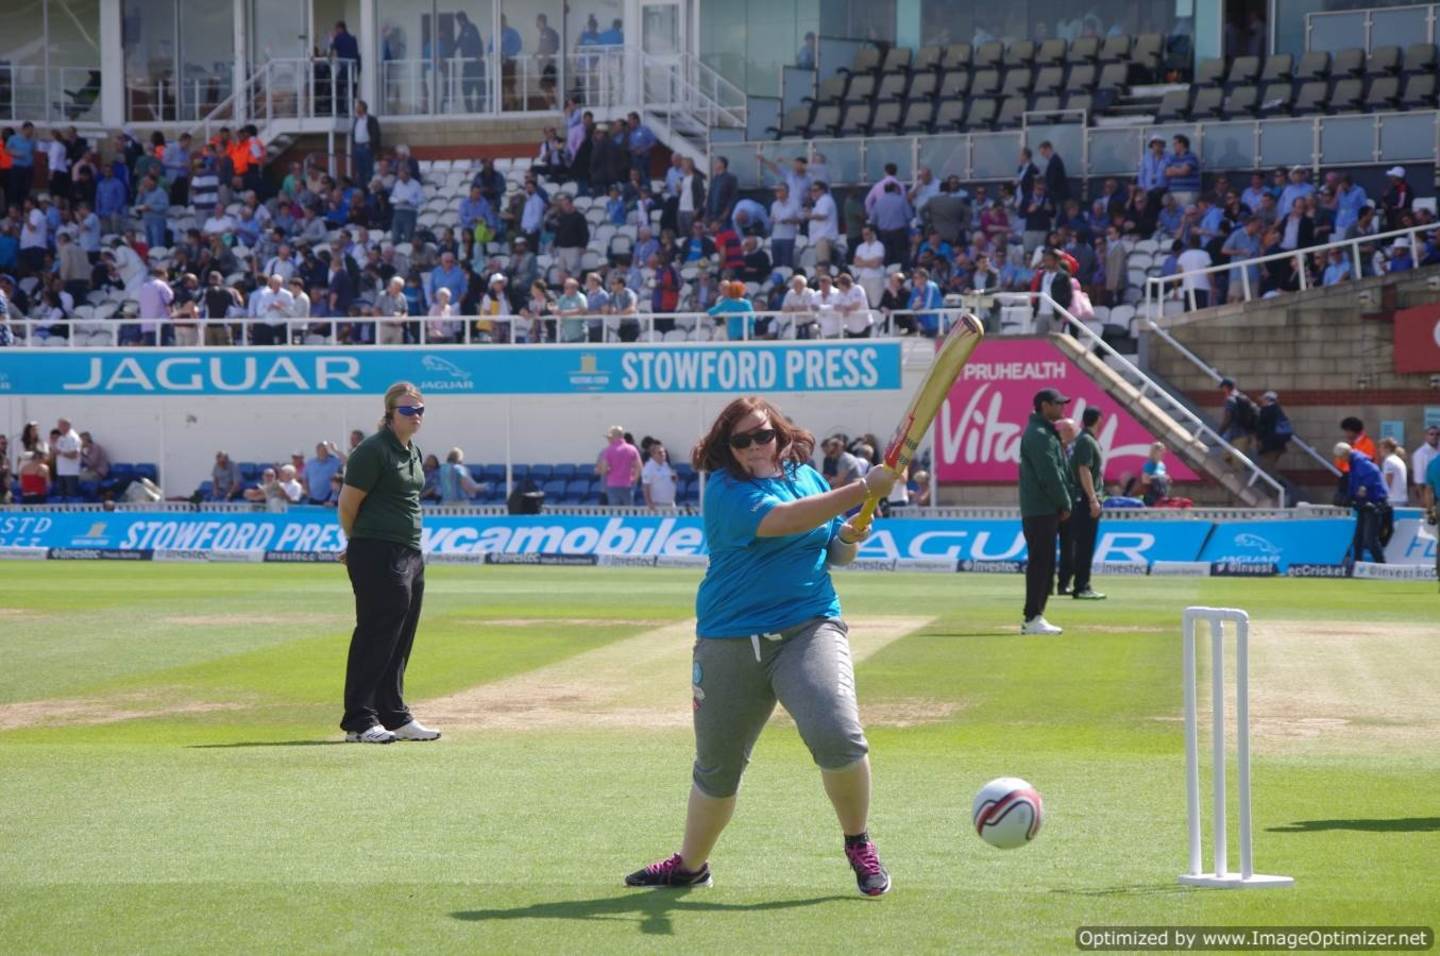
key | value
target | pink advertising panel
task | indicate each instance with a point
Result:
(979, 427)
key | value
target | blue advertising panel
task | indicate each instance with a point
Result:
(510, 370)
(1255, 544)
(306, 529)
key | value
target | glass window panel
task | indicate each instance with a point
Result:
(841, 159)
(1336, 31)
(207, 57)
(1407, 137)
(1287, 142)
(148, 41)
(1068, 140)
(1228, 145)
(943, 22)
(742, 160)
(531, 48)
(1347, 139)
(1114, 151)
(408, 80)
(22, 61)
(872, 20)
(722, 43)
(596, 64)
(771, 44)
(1290, 26)
(945, 155)
(995, 155)
(878, 152)
(462, 80)
(1398, 27)
(74, 41)
(782, 154)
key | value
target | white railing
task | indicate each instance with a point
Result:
(597, 76)
(60, 94)
(1196, 427)
(296, 88)
(424, 87)
(1160, 288)
(426, 330)
(682, 83)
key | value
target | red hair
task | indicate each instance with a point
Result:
(713, 452)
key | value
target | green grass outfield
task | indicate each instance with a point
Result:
(220, 816)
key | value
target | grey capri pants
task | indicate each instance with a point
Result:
(737, 681)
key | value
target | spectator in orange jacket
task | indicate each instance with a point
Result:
(1356, 438)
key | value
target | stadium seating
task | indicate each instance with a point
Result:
(959, 87)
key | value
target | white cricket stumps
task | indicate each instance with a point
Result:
(1221, 877)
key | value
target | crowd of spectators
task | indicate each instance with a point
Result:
(317, 255)
(65, 463)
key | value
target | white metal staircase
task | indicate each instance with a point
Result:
(1185, 433)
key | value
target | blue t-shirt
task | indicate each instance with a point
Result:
(1432, 476)
(741, 323)
(318, 472)
(761, 585)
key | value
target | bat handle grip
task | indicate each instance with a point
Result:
(861, 521)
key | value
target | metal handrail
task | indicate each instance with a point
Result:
(1117, 150)
(1216, 376)
(691, 94)
(1156, 286)
(1150, 389)
(255, 100)
(1156, 293)
(298, 330)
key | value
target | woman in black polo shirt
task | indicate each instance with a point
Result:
(380, 515)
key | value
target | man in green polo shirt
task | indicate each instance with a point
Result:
(1044, 503)
(379, 512)
(1087, 468)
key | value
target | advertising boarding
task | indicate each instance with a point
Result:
(980, 424)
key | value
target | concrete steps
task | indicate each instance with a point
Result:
(1153, 408)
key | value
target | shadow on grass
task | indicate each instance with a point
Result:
(1137, 889)
(652, 909)
(266, 743)
(1396, 825)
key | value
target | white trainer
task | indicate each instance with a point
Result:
(1038, 625)
(415, 731)
(375, 735)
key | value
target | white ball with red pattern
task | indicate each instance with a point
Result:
(1007, 812)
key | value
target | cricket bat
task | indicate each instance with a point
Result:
(951, 357)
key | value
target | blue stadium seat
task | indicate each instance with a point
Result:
(564, 471)
(519, 472)
(577, 490)
(148, 470)
(206, 489)
(89, 489)
(249, 469)
(540, 473)
(476, 471)
(493, 473)
(585, 469)
(121, 469)
(554, 490)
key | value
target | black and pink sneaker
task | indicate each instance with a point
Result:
(870, 874)
(671, 873)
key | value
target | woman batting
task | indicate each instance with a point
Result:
(380, 514)
(769, 629)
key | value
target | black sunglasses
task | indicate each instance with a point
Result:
(760, 436)
(410, 411)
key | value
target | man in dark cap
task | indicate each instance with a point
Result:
(1044, 503)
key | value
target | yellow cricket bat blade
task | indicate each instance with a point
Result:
(950, 358)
